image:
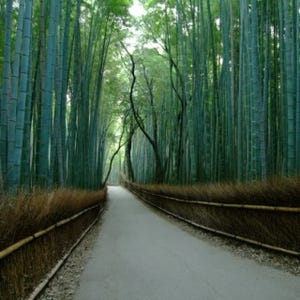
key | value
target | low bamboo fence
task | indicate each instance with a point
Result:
(27, 266)
(273, 227)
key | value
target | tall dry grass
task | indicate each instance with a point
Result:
(269, 226)
(27, 213)
(274, 192)
(24, 214)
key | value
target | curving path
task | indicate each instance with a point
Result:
(141, 256)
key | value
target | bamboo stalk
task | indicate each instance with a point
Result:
(9, 250)
(43, 232)
(15, 247)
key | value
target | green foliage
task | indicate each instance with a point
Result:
(229, 91)
(215, 94)
(119, 7)
(56, 132)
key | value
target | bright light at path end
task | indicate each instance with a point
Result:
(137, 9)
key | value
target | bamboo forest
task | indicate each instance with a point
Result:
(154, 114)
(176, 91)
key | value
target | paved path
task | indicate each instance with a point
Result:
(141, 256)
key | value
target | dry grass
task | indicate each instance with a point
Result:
(276, 192)
(275, 228)
(26, 214)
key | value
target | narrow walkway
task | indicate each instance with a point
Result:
(141, 256)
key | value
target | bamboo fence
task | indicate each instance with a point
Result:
(16, 260)
(214, 216)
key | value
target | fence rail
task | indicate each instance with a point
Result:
(219, 204)
(211, 216)
(9, 250)
(38, 257)
(40, 288)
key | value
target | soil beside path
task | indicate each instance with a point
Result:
(139, 255)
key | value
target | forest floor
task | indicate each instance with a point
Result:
(140, 254)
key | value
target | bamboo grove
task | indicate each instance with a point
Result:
(210, 91)
(216, 93)
(52, 122)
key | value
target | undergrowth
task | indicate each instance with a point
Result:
(277, 192)
(26, 213)
(272, 227)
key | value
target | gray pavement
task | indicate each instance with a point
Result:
(141, 256)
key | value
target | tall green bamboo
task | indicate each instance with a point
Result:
(47, 99)
(225, 92)
(234, 65)
(257, 135)
(24, 78)
(289, 97)
(296, 5)
(12, 104)
(6, 91)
